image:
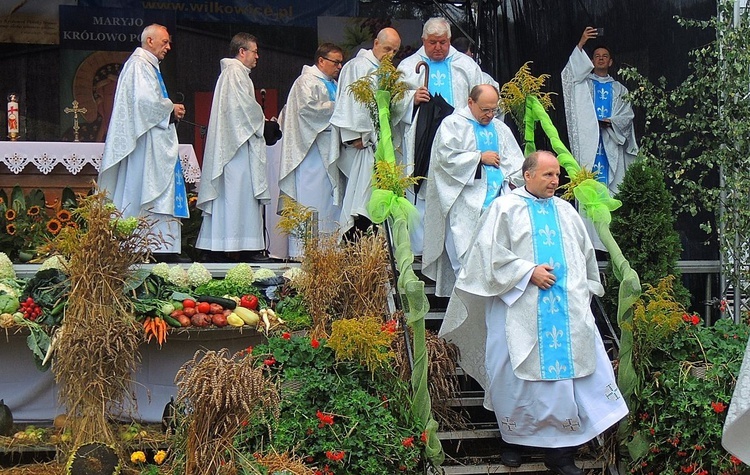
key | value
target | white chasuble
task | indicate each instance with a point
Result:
(457, 189)
(234, 187)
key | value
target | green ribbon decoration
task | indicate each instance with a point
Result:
(594, 199)
(385, 204)
(597, 206)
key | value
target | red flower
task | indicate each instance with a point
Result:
(685, 317)
(243, 423)
(681, 453)
(249, 350)
(688, 469)
(325, 419)
(314, 343)
(424, 437)
(270, 361)
(698, 447)
(695, 319)
(652, 431)
(390, 326)
(735, 460)
(701, 472)
(335, 455)
(644, 416)
(286, 336)
(718, 407)
(408, 442)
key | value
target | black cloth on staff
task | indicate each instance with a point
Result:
(431, 114)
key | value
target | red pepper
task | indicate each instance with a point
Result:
(249, 301)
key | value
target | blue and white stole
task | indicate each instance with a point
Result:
(180, 192)
(331, 87)
(553, 317)
(487, 140)
(603, 107)
(440, 81)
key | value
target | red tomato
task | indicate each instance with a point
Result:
(203, 307)
(188, 303)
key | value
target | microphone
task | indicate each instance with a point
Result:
(263, 99)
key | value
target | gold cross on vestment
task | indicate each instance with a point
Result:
(75, 110)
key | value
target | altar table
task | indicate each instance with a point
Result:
(34, 165)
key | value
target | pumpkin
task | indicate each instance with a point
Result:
(6, 419)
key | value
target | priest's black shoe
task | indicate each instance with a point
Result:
(562, 461)
(510, 457)
(170, 258)
(569, 468)
(257, 256)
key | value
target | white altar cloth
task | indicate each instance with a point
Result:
(32, 395)
(45, 156)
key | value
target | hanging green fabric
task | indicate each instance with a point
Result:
(385, 204)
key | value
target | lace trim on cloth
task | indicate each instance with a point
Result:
(74, 156)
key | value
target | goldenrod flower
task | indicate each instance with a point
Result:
(10, 228)
(33, 210)
(138, 457)
(10, 214)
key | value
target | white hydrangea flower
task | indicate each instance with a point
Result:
(198, 274)
(293, 274)
(262, 274)
(178, 276)
(6, 267)
(55, 262)
(162, 270)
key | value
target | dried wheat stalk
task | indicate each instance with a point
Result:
(218, 393)
(97, 350)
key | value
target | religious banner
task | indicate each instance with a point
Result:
(30, 21)
(108, 29)
(262, 12)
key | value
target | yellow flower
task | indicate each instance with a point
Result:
(33, 211)
(10, 214)
(138, 457)
(160, 457)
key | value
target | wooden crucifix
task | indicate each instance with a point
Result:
(75, 110)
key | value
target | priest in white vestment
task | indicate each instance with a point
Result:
(452, 75)
(140, 168)
(234, 187)
(736, 433)
(475, 159)
(520, 315)
(357, 130)
(310, 145)
(600, 120)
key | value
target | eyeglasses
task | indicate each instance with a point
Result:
(334, 61)
(486, 111)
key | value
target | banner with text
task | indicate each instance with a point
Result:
(264, 12)
(107, 29)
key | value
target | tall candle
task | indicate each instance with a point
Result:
(12, 116)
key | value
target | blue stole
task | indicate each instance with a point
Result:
(440, 79)
(180, 192)
(331, 87)
(603, 107)
(553, 318)
(487, 140)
